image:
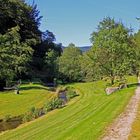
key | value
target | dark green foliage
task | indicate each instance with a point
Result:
(15, 55)
(17, 12)
(44, 58)
(19, 32)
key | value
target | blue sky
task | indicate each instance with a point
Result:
(74, 20)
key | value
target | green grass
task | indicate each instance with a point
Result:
(84, 118)
(30, 95)
(135, 132)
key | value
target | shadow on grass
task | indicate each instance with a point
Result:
(133, 85)
(33, 87)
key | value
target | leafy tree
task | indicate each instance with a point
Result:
(51, 63)
(136, 39)
(14, 54)
(19, 13)
(112, 50)
(43, 65)
(68, 64)
(26, 17)
(89, 68)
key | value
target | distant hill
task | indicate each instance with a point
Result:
(83, 48)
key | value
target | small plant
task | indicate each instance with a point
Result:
(7, 118)
(27, 117)
(32, 114)
(57, 103)
(48, 107)
(53, 104)
(71, 93)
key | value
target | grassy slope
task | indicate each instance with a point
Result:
(86, 116)
(135, 132)
(30, 95)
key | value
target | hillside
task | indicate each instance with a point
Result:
(89, 113)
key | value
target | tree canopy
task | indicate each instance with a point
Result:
(17, 12)
(14, 54)
(68, 63)
(28, 52)
(112, 50)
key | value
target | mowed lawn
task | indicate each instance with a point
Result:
(135, 132)
(30, 96)
(84, 118)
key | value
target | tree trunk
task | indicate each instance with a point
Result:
(2, 84)
(112, 80)
(137, 73)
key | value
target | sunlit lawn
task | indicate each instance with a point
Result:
(85, 117)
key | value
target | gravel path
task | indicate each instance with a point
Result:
(121, 127)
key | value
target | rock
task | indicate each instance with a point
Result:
(110, 90)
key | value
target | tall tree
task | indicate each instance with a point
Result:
(14, 54)
(68, 63)
(136, 39)
(112, 49)
(89, 68)
(43, 65)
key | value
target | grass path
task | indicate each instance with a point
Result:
(135, 131)
(85, 117)
(121, 128)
